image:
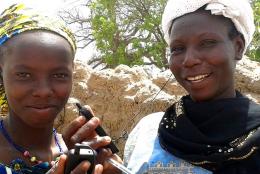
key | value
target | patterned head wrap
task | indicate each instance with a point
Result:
(17, 19)
(239, 11)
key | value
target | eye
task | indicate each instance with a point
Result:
(175, 50)
(60, 76)
(23, 75)
(208, 43)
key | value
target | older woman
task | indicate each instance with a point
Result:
(214, 129)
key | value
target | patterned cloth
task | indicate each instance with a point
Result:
(6, 170)
(21, 168)
(18, 18)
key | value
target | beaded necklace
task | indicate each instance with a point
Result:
(26, 153)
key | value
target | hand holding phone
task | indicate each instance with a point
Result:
(80, 153)
(100, 131)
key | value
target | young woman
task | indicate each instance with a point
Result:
(36, 65)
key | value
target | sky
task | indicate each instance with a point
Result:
(51, 7)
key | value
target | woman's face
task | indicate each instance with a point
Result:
(203, 57)
(37, 76)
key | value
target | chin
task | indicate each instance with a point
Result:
(40, 122)
(201, 96)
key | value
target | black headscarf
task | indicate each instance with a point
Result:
(212, 134)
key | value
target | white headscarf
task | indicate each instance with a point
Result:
(239, 11)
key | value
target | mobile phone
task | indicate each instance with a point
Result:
(100, 131)
(81, 152)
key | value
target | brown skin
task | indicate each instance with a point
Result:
(81, 168)
(37, 71)
(82, 130)
(200, 45)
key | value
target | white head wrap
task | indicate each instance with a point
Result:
(239, 11)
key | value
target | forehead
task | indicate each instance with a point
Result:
(38, 38)
(199, 21)
(36, 46)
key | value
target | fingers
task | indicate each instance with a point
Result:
(86, 131)
(82, 168)
(79, 130)
(98, 169)
(103, 154)
(98, 142)
(108, 168)
(71, 129)
(59, 168)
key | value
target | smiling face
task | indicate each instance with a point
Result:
(203, 56)
(37, 75)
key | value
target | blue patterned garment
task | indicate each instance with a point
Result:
(18, 166)
(6, 170)
(144, 155)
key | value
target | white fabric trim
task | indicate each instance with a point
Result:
(8, 170)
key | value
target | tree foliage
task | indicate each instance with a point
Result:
(254, 51)
(125, 32)
(128, 32)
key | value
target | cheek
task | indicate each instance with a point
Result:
(14, 92)
(16, 96)
(225, 64)
(175, 68)
(63, 91)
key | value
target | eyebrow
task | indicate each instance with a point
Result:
(199, 35)
(58, 68)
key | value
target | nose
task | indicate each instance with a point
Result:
(191, 58)
(42, 88)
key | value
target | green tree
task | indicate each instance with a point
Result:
(254, 51)
(124, 31)
(128, 32)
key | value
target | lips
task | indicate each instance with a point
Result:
(197, 78)
(41, 106)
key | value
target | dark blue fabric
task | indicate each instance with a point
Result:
(3, 169)
(36, 169)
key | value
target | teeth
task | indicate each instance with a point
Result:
(196, 78)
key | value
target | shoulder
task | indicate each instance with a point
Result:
(147, 124)
(254, 107)
(151, 119)
(143, 134)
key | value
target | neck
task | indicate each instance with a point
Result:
(29, 137)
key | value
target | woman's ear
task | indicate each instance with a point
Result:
(239, 47)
